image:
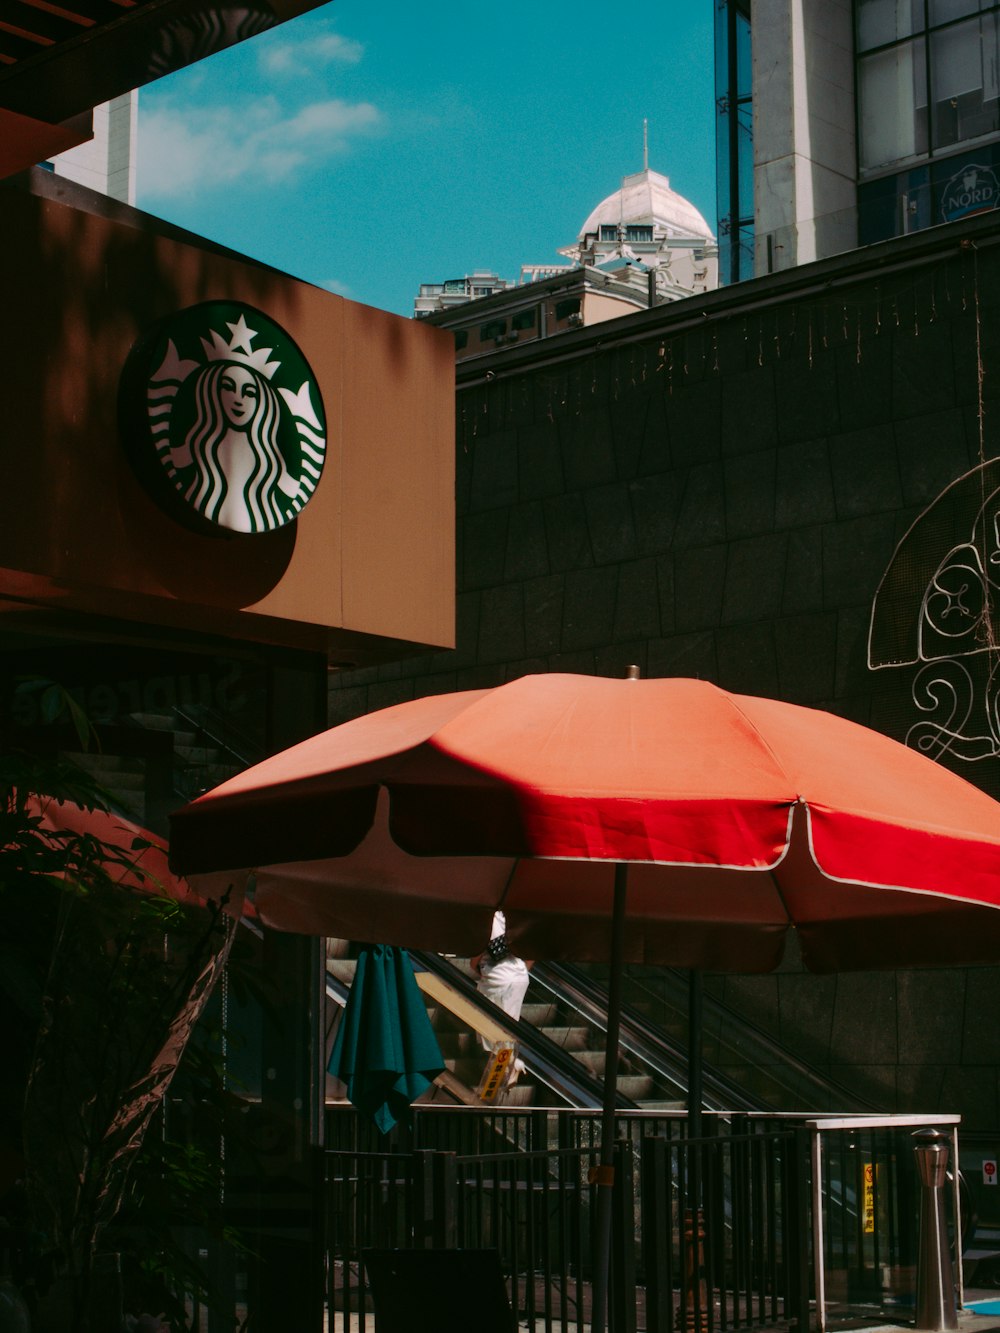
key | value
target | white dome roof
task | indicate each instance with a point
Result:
(647, 197)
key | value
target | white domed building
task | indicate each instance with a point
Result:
(647, 223)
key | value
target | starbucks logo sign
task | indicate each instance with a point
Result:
(223, 413)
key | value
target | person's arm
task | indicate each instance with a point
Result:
(474, 963)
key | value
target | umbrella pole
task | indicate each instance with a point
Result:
(604, 1175)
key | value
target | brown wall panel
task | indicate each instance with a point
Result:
(79, 290)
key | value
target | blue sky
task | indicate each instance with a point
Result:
(372, 145)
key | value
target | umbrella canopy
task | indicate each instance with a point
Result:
(385, 1050)
(739, 817)
(142, 866)
(660, 820)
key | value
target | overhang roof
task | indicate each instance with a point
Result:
(59, 58)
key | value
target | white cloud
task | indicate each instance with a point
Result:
(336, 286)
(295, 57)
(185, 150)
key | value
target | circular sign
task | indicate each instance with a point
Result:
(224, 415)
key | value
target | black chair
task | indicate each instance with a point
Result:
(438, 1291)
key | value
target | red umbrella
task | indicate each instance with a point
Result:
(143, 865)
(732, 819)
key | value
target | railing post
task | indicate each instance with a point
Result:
(435, 1212)
(621, 1305)
(796, 1226)
(657, 1241)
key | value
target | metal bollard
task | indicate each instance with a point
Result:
(936, 1310)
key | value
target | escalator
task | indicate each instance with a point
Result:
(561, 1039)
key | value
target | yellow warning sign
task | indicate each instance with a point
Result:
(497, 1071)
(871, 1179)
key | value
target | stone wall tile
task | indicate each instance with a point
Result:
(864, 380)
(482, 548)
(803, 590)
(865, 471)
(699, 583)
(749, 411)
(567, 533)
(702, 516)
(654, 448)
(690, 655)
(747, 659)
(637, 608)
(655, 506)
(806, 652)
(934, 451)
(923, 377)
(750, 493)
(855, 555)
(527, 546)
(539, 459)
(589, 607)
(803, 484)
(501, 624)
(543, 614)
(587, 450)
(694, 421)
(665, 586)
(609, 522)
(494, 472)
(755, 578)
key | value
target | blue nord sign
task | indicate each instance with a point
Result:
(223, 417)
(974, 189)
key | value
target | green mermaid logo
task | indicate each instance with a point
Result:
(235, 416)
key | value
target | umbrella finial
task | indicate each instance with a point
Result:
(632, 672)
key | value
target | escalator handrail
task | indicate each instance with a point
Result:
(642, 1039)
(845, 1099)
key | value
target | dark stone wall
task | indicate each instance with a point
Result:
(716, 489)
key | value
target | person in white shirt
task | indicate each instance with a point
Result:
(502, 977)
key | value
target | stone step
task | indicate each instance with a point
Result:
(569, 1038)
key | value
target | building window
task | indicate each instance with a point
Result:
(482, 291)
(929, 102)
(524, 319)
(964, 81)
(608, 233)
(568, 307)
(496, 328)
(461, 339)
(883, 21)
(892, 104)
(635, 233)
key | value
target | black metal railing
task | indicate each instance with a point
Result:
(707, 1233)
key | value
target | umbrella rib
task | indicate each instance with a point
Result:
(510, 879)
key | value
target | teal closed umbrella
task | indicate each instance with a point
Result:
(385, 1049)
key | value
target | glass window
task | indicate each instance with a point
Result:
(495, 329)
(882, 21)
(608, 233)
(568, 307)
(636, 233)
(461, 339)
(524, 319)
(893, 105)
(943, 11)
(965, 80)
